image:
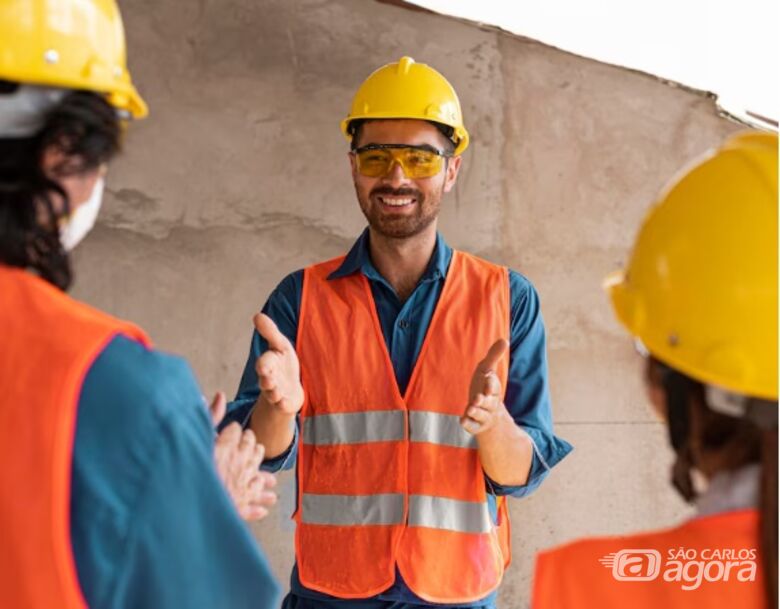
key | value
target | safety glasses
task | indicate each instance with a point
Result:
(377, 160)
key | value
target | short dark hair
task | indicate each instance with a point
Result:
(448, 132)
(86, 128)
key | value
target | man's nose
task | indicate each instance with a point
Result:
(395, 175)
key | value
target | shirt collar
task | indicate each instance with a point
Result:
(359, 259)
(731, 490)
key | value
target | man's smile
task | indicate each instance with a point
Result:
(396, 200)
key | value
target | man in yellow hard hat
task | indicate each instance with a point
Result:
(700, 296)
(111, 496)
(406, 379)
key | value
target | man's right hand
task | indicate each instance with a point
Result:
(278, 369)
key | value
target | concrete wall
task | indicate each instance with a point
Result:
(240, 176)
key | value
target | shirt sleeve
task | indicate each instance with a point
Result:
(283, 306)
(151, 524)
(527, 391)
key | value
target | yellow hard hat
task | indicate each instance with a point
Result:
(700, 291)
(74, 44)
(408, 90)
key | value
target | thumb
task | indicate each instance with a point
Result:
(494, 354)
(266, 328)
(218, 408)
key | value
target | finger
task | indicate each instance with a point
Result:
(470, 426)
(494, 354)
(260, 488)
(269, 479)
(267, 364)
(243, 454)
(273, 396)
(478, 415)
(224, 447)
(267, 382)
(250, 512)
(265, 498)
(218, 408)
(246, 447)
(229, 436)
(243, 466)
(491, 386)
(266, 327)
(478, 400)
(257, 458)
(257, 494)
(260, 452)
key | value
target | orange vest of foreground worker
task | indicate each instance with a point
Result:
(48, 341)
(710, 561)
(386, 479)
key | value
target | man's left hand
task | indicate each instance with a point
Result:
(486, 407)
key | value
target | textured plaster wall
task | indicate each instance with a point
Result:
(240, 176)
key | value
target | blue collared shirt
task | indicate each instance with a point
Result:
(404, 325)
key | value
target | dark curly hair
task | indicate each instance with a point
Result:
(86, 129)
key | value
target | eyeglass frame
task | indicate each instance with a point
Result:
(421, 147)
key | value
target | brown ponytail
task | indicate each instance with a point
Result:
(711, 442)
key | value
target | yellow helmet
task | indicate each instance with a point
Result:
(74, 44)
(700, 290)
(408, 90)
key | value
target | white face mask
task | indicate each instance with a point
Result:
(81, 221)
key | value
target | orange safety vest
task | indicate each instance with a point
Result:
(48, 341)
(710, 561)
(386, 479)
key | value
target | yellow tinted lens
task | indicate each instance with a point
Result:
(419, 163)
(374, 163)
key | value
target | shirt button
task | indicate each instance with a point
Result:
(403, 324)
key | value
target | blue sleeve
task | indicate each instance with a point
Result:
(527, 391)
(151, 524)
(283, 306)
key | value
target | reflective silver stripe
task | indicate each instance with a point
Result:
(347, 510)
(354, 427)
(449, 514)
(385, 426)
(438, 428)
(424, 511)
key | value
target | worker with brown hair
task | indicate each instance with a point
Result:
(700, 297)
(408, 380)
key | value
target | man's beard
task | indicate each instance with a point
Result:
(400, 226)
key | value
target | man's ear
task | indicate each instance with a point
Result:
(453, 166)
(352, 163)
